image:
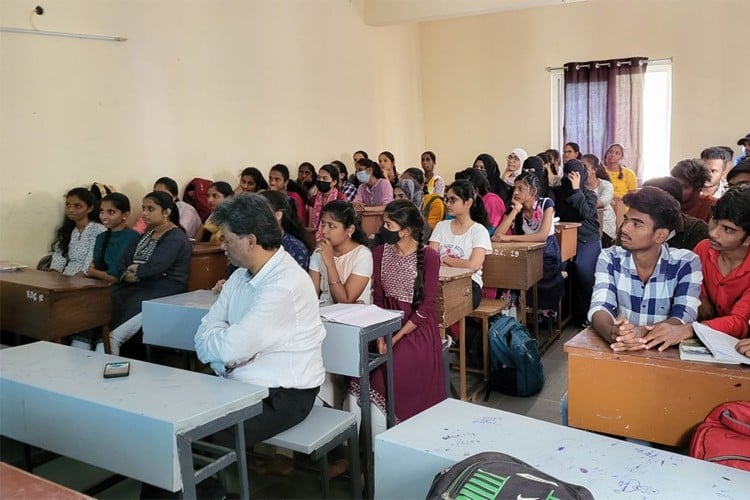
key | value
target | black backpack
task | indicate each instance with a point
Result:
(515, 364)
(497, 476)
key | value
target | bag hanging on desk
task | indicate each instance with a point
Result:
(515, 364)
(724, 436)
(196, 194)
(497, 476)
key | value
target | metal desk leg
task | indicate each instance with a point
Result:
(462, 359)
(242, 460)
(364, 405)
(185, 451)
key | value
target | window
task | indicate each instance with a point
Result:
(657, 116)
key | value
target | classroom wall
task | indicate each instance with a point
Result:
(485, 87)
(200, 88)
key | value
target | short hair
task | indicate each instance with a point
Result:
(168, 183)
(729, 151)
(715, 153)
(249, 213)
(661, 206)
(742, 167)
(431, 155)
(734, 206)
(668, 184)
(692, 170)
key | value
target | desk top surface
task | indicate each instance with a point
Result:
(52, 281)
(506, 248)
(198, 299)
(607, 467)
(183, 398)
(589, 343)
(448, 273)
(206, 248)
(566, 225)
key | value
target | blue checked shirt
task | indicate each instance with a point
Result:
(672, 291)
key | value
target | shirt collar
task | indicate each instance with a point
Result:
(270, 263)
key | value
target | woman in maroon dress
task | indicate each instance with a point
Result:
(405, 278)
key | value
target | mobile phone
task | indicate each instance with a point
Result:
(119, 369)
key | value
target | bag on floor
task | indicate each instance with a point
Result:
(492, 475)
(515, 364)
(196, 194)
(724, 436)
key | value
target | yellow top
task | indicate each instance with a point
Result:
(624, 185)
(214, 230)
(433, 211)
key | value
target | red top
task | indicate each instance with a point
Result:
(702, 208)
(730, 294)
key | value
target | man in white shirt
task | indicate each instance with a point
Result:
(265, 327)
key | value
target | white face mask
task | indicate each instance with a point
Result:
(362, 176)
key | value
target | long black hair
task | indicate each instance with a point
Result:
(164, 201)
(343, 211)
(291, 184)
(290, 222)
(65, 231)
(121, 203)
(407, 216)
(465, 190)
(260, 182)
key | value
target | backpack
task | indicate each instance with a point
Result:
(100, 190)
(196, 194)
(492, 475)
(515, 365)
(724, 436)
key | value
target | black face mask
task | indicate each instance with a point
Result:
(390, 237)
(323, 186)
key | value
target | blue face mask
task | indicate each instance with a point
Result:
(362, 176)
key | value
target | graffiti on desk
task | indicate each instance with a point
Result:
(458, 440)
(631, 485)
(503, 252)
(34, 296)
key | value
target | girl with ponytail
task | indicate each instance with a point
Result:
(405, 278)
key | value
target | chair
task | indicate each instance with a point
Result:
(323, 430)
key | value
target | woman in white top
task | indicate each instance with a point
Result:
(598, 181)
(73, 248)
(464, 241)
(341, 270)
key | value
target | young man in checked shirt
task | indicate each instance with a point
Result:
(644, 288)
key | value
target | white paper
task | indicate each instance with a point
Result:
(360, 315)
(721, 345)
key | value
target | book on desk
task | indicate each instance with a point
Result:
(360, 315)
(720, 347)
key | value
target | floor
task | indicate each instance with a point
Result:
(303, 481)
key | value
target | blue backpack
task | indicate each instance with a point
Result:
(515, 365)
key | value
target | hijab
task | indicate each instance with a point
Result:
(566, 188)
(492, 171)
(522, 156)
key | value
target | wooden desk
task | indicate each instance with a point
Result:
(408, 456)
(454, 303)
(567, 237)
(207, 266)
(49, 306)
(647, 395)
(372, 219)
(18, 484)
(142, 426)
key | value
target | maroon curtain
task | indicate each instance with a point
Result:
(604, 105)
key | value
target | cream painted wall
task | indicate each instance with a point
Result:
(485, 88)
(201, 88)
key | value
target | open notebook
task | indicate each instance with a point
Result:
(360, 315)
(721, 345)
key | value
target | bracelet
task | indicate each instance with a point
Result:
(330, 283)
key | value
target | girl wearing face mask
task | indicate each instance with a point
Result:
(326, 182)
(374, 190)
(405, 278)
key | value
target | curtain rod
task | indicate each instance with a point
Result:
(83, 36)
(664, 60)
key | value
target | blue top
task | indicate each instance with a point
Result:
(109, 248)
(296, 249)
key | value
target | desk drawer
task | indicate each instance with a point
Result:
(454, 301)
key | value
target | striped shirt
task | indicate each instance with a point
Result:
(672, 291)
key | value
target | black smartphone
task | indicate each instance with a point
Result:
(119, 369)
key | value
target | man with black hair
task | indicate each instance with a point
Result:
(740, 174)
(718, 161)
(688, 231)
(693, 175)
(644, 283)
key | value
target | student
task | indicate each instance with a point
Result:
(326, 182)
(433, 207)
(718, 161)
(740, 174)
(341, 266)
(217, 193)
(159, 265)
(644, 282)
(464, 241)
(251, 181)
(388, 166)
(111, 245)
(535, 165)
(410, 190)
(278, 180)
(688, 231)
(306, 177)
(265, 330)
(514, 161)
(693, 175)
(549, 168)
(73, 248)
(574, 202)
(556, 167)
(598, 180)
(744, 143)
(358, 155)
(189, 218)
(493, 204)
(487, 163)
(374, 189)
(434, 183)
(345, 186)
(571, 151)
(623, 179)
(405, 278)
(531, 219)
(293, 235)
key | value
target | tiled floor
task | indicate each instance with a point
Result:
(305, 483)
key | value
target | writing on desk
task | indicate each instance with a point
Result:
(505, 253)
(35, 296)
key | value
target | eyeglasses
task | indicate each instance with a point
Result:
(513, 158)
(450, 200)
